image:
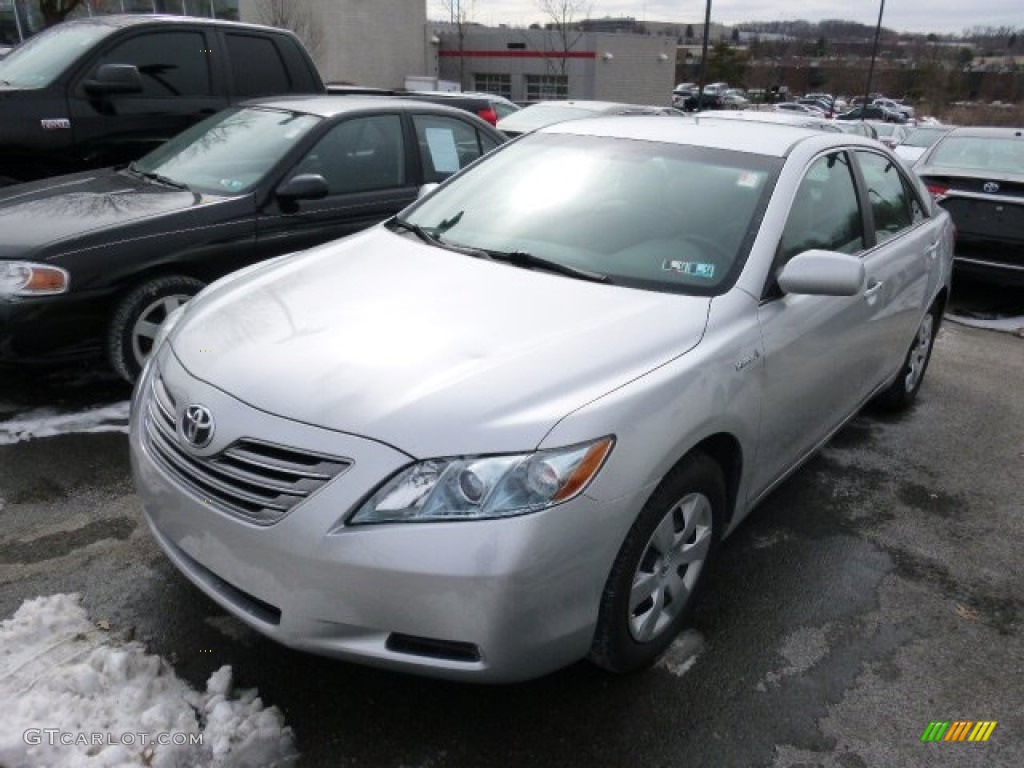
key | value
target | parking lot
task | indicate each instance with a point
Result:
(876, 591)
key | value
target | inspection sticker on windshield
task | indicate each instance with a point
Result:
(749, 180)
(691, 268)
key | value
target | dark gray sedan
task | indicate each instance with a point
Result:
(977, 174)
(90, 264)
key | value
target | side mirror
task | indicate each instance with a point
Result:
(823, 273)
(304, 186)
(426, 189)
(115, 78)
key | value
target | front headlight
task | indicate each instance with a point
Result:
(482, 487)
(25, 278)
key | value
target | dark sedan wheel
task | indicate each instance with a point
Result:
(902, 392)
(660, 567)
(138, 318)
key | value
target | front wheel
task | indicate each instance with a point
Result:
(138, 318)
(660, 567)
(902, 392)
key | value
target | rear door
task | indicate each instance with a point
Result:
(901, 264)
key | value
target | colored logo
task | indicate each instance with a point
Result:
(959, 730)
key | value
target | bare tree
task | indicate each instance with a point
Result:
(460, 12)
(300, 18)
(564, 17)
(55, 11)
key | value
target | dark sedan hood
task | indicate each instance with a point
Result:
(66, 208)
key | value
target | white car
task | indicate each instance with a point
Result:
(508, 429)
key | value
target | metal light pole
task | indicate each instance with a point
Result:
(874, 53)
(704, 57)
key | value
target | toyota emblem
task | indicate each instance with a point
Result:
(197, 426)
(991, 187)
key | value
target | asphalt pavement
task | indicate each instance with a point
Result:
(878, 590)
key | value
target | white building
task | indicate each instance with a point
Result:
(369, 42)
(534, 64)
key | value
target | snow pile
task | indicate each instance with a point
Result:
(70, 699)
(47, 422)
(992, 322)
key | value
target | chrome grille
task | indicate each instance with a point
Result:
(252, 479)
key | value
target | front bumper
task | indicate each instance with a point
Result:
(495, 600)
(52, 329)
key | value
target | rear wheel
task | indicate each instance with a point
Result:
(660, 567)
(138, 318)
(902, 392)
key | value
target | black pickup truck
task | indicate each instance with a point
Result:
(105, 90)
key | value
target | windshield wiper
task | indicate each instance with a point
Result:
(528, 260)
(157, 177)
(417, 230)
(435, 240)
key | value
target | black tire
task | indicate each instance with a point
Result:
(139, 315)
(632, 633)
(903, 391)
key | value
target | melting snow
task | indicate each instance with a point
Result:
(47, 422)
(1008, 324)
(71, 698)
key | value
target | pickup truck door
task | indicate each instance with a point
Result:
(365, 162)
(180, 85)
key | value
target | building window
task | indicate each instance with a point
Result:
(499, 85)
(541, 87)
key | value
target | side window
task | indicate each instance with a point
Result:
(825, 212)
(171, 63)
(359, 155)
(446, 145)
(887, 193)
(256, 64)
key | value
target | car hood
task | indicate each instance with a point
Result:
(65, 208)
(433, 352)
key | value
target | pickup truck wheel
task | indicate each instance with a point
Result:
(660, 567)
(902, 392)
(138, 317)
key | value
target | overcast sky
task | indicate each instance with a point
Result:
(940, 16)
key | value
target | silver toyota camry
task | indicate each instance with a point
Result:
(507, 429)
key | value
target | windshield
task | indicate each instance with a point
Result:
(39, 61)
(986, 153)
(645, 214)
(924, 137)
(230, 152)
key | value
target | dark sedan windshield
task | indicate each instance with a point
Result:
(645, 214)
(230, 152)
(985, 153)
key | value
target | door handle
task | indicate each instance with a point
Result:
(932, 250)
(871, 292)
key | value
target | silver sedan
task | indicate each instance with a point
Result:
(507, 429)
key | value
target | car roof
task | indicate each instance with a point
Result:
(329, 105)
(987, 133)
(143, 19)
(781, 118)
(771, 139)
